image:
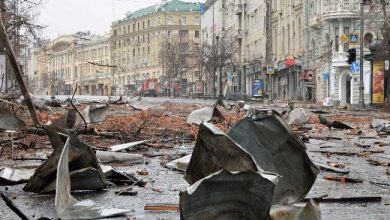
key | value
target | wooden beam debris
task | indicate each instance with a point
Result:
(18, 73)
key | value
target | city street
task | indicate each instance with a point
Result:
(172, 138)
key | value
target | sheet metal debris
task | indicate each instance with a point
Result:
(9, 121)
(311, 211)
(11, 176)
(126, 146)
(13, 207)
(67, 207)
(121, 159)
(229, 195)
(297, 116)
(180, 164)
(215, 151)
(204, 115)
(275, 148)
(81, 157)
(381, 125)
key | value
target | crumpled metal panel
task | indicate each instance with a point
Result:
(203, 115)
(215, 151)
(275, 148)
(311, 211)
(120, 159)
(229, 195)
(81, 156)
(11, 176)
(67, 207)
(9, 121)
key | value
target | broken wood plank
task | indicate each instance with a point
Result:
(13, 207)
(358, 199)
(161, 207)
(343, 179)
(18, 73)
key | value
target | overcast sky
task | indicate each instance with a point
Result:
(70, 16)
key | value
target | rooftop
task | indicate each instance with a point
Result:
(170, 6)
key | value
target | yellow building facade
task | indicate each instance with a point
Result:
(138, 43)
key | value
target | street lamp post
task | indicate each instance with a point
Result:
(361, 83)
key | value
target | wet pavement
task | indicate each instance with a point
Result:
(164, 185)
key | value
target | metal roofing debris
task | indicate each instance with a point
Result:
(275, 148)
(9, 121)
(229, 195)
(126, 146)
(67, 207)
(215, 151)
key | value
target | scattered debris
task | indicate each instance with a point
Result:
(331, 168)
(10, 176)
(126, 146)
(333, 124)
(378, 163)
(66, 205)
(161, 207)
(143, 172)
(380, 125)
(215, 151)
(311, 211)
(81, 157)
(9, 121)
(297, 116)
(180, 164)
(275, 148)
(204, 115)
(343, 179)
(116, 158)
(127, 192)
(233, 195)
(13, 207)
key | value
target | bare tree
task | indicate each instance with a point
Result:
(214, 55)
(178, 57)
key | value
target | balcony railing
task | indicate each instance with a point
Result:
(335, 8)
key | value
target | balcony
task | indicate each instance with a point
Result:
(239, 34)
(239, 9)
(339, 59)
(340, 9)
(314, 20)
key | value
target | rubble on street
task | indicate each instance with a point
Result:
(151, 158)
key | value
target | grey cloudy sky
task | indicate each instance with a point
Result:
(70, 16)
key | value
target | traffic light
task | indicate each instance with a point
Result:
(351, 56)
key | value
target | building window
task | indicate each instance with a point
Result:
(169, 33)
(197, 34)
(197, 20)
(169, 20)
(143, 25)
(183, 20)
(148, 24)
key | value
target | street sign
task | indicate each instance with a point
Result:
(201, 8)
(270, 69)
(257, 88)
(343, 38)
(325, 76)
(355, 67)
(229, 79)
(354, 39)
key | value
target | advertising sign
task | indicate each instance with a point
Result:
(378, 81)
(257, 88)
(199, 87)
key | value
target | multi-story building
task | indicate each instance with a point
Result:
(288, 49)
(241, 20)
(37, 69)
(56, 67)
(139, 40)
(92, 66)
(327, 22)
